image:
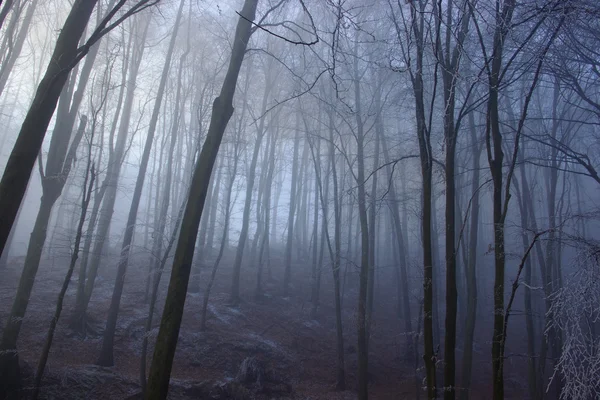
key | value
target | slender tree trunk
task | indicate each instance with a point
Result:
(265, 243)
(417, 16)
(227, 218)
(111, 182)
(77, 321)
(525, 217)
(315, 270)
(7, 66)
(290, 225)
(363, 334)
(106, 353)
(403, 295)
(495, 161)
(471, 271)
(373, 210)
(337, 256)
(251, 177)
(213, 211)
(90, 175)
(8, 4)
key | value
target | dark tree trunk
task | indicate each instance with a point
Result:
(166, 342)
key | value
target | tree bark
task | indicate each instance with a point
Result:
(164, 351)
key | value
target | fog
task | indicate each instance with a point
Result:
(299, 199)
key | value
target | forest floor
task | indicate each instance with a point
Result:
(297, 351)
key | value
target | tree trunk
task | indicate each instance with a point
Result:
(373, 208)
(426, 161)
(403, 291)
(106, 353)
(5, 10)
(362, 328)
(90, 175)
(265, 243)
(337, 257)
(315, 279)
(251, 177)
(290, 225)
(8, 63)
(166, 342)
(471, 271)
(76, 321)
(153, 297)
(228, 208)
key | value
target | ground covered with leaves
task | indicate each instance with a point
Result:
(270, 348)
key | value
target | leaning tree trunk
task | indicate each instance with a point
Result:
(88, 185)
(106, 353)
(166, 342)
(153, 297)
(8, 4)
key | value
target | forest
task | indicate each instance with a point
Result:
(300, 199)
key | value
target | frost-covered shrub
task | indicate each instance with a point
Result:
(576, 310)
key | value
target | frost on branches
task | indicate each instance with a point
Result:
(576, 309)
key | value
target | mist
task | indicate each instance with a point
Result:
(299, 199)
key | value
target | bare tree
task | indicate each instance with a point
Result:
(166, 342)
